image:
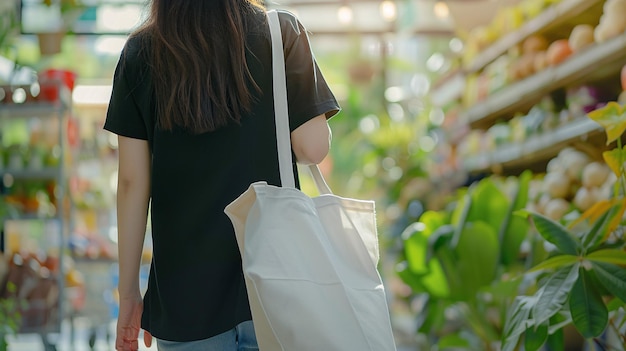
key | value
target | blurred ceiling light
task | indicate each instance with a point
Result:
(420, 85)
(436, 116)
(456, 45)
(388, 10)
(427, 143)
(441, 10)
(435, 62)
(394, 94)
(344, 14)
(92, 94)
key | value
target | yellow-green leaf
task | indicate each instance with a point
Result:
(616, 219)
(556, 262)
(614, 256)
(612, 118)
(594, 212)
(615, 159)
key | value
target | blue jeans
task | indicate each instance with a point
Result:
(240, 338)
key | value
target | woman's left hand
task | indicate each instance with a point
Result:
(129, 324)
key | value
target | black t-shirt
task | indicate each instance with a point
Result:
(196, 289)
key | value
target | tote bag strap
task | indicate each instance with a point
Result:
(283, 139)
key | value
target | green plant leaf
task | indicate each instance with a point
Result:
(514, 228)
(596, 233)
(534, 338)
(435, 281)
(517, 321)
(538, 252)
(453, 341)
(615, 256)
(439, 239)
(416, 251)
(460, 218)
(553, 295)
(433, 220)
(477, 257)
(615, 304)
(594, 212)
(432, 317)
(415, 246)
(589, 314)
(409, 278)
(556, 340)
(556, 234)
(559, 321)
(556, 262)
(489, 204)
(612, 118)
(612, 277)
(613, 157)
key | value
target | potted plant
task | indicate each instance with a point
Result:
(70, 10)
(457, 262)
(8, 23)
(583, 283)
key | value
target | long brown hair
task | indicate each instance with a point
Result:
(197, 55)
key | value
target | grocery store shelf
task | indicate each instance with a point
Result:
(533, 149)
(596, 62)
(552, 17)
(449, 89)
(44, 173)
(31, 109)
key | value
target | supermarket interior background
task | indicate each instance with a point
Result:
(489, 133)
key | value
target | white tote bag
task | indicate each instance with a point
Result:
(310, 264)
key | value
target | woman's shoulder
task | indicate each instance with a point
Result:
(289, 22)
(135, 45)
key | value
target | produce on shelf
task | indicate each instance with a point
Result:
(507, 20)
(573, 181)
(558, 51)
(581, 37)
(612, 22)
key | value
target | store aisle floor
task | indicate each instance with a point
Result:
(83, 331)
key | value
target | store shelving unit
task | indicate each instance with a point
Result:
(597, 63)
(553, 19)
(43, 320)
(537, 148)
(594, 63)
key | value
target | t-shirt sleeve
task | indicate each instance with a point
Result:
(308, 93)
(123, 115)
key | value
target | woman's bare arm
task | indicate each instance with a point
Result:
(311, 141)
(133, 196)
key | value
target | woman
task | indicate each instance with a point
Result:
(192, 106)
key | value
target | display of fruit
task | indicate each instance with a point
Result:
(612, 22)
(556, 208)
(540, 61)
(535, 43)
(581, 37)
(573, 181)
(558, 51)
(595, 174)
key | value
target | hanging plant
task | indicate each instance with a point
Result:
(50, 42)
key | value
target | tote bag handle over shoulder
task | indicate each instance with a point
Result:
(282, 114)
